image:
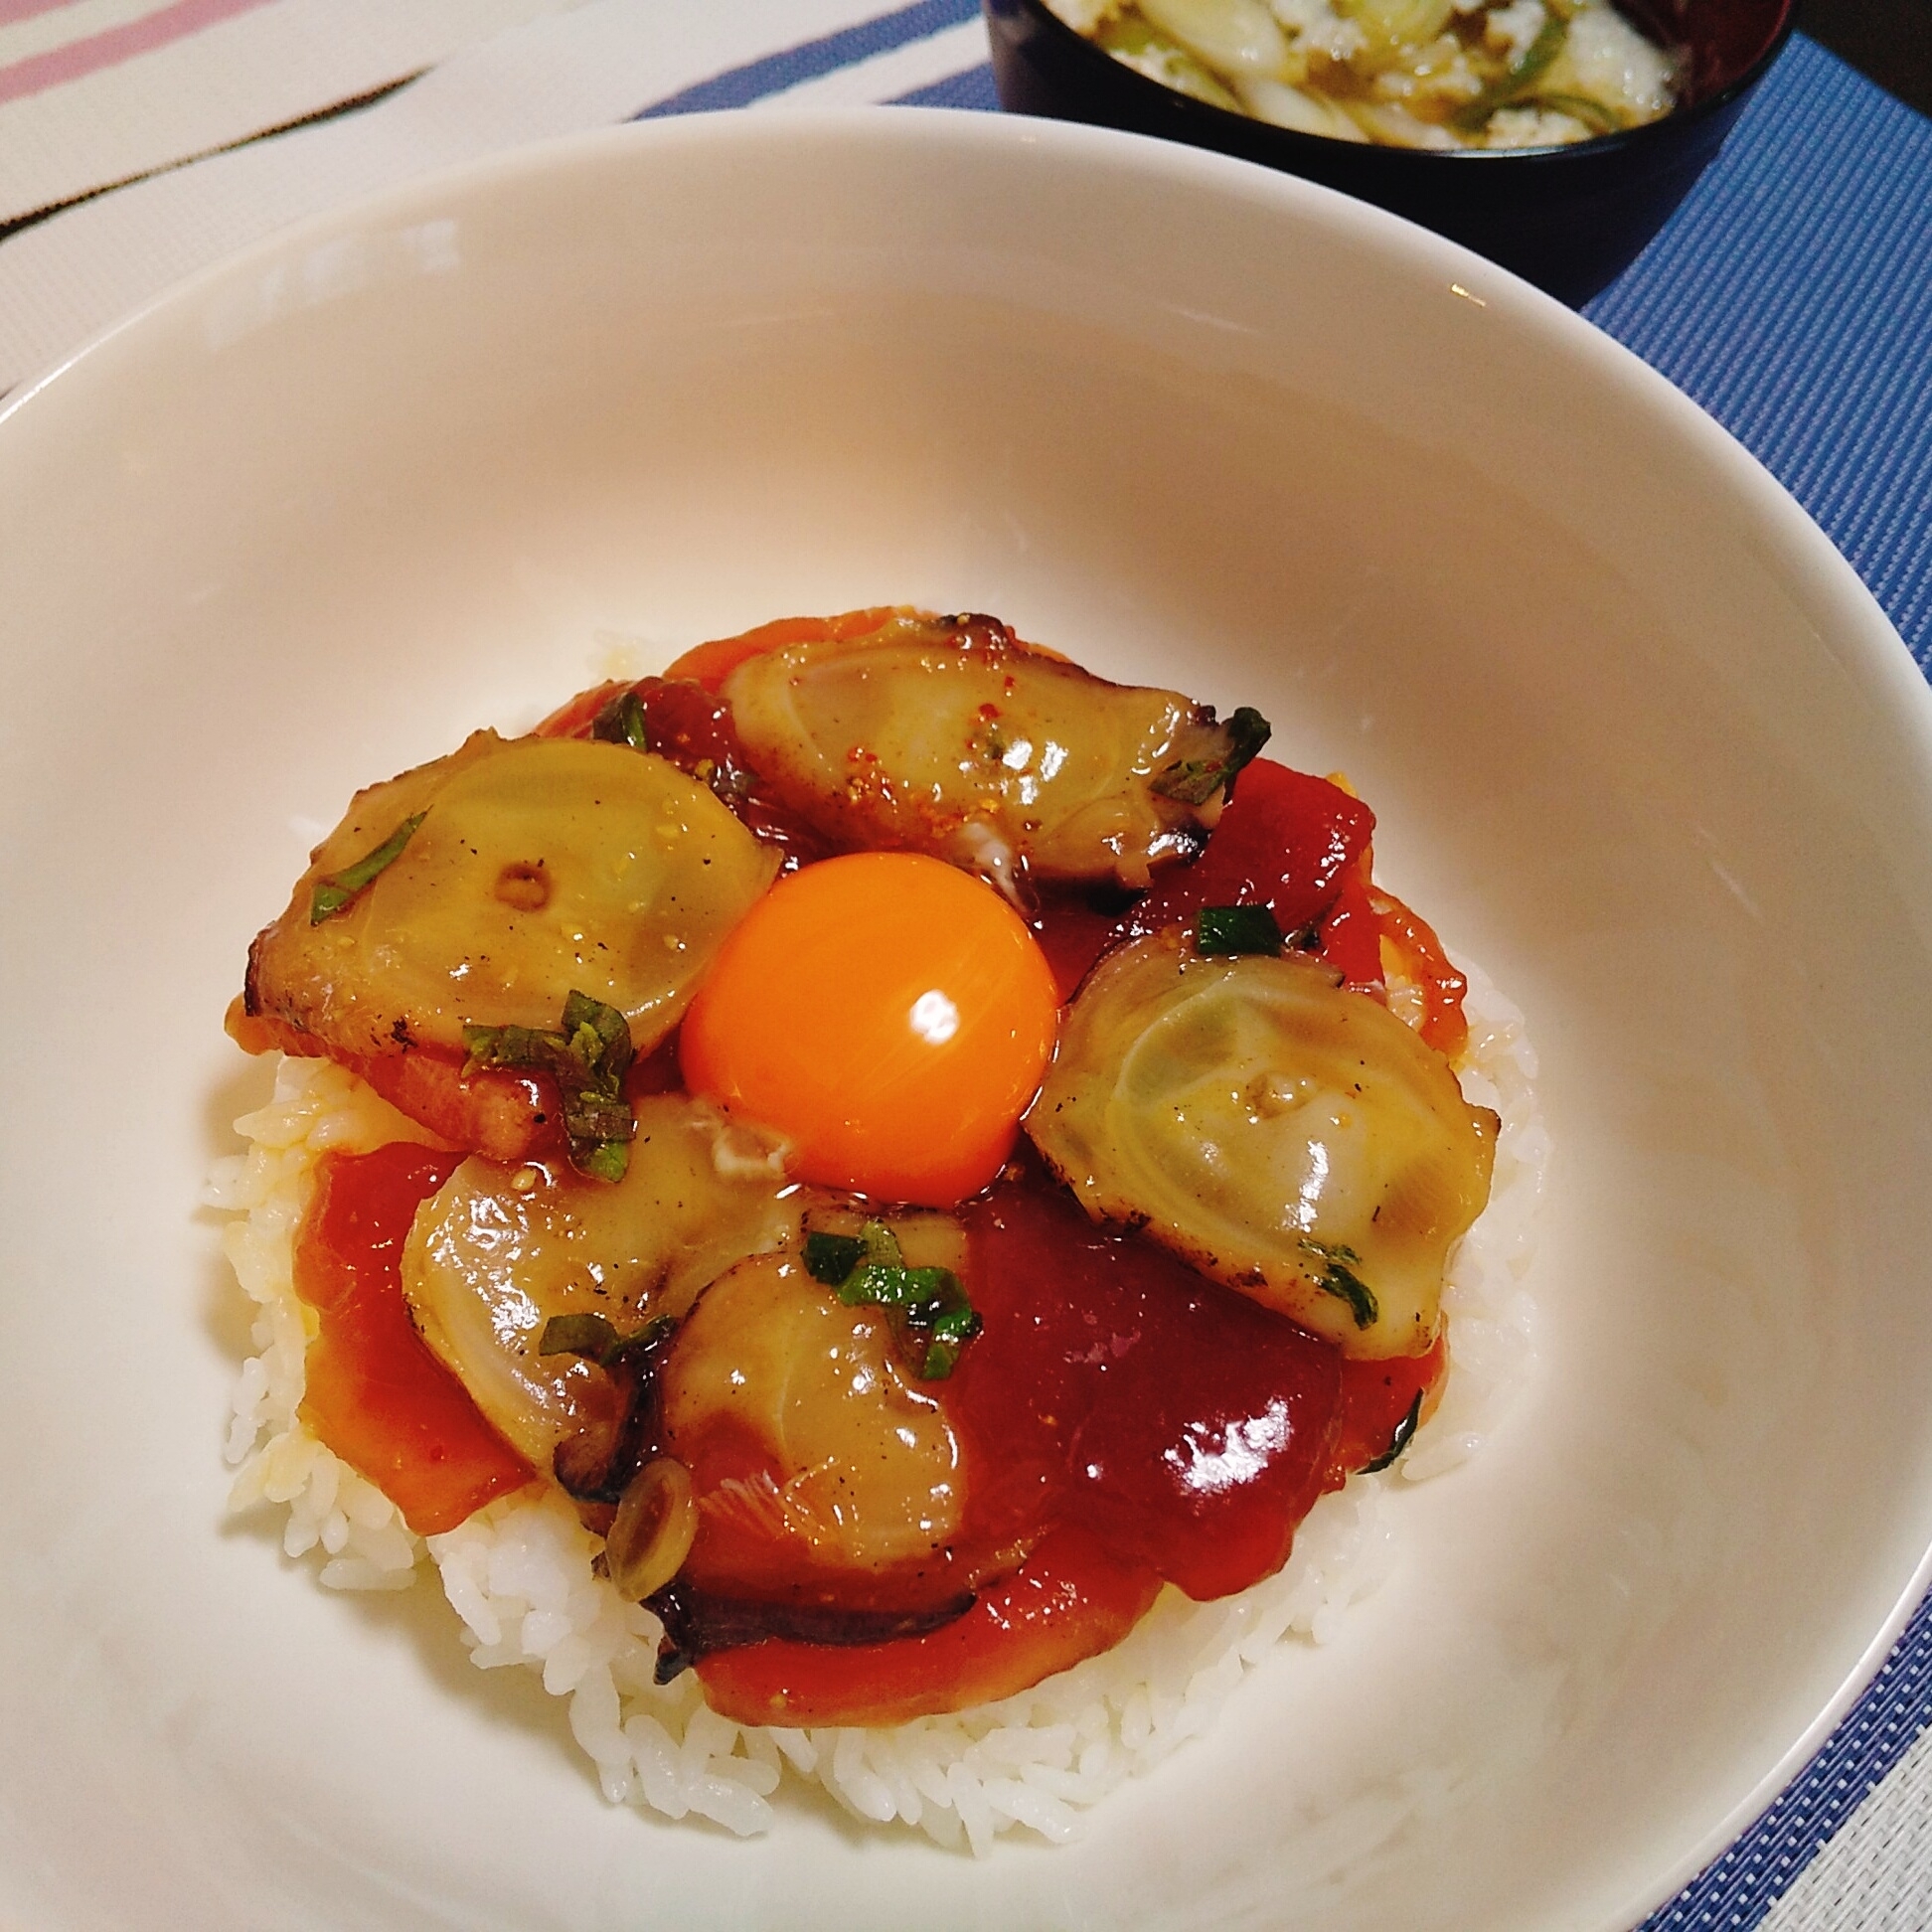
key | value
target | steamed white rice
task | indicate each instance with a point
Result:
(518, 1573)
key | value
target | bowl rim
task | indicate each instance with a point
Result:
(1666, 127)
(1877, 653)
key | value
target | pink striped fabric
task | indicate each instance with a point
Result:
(39, 72)
(15, 10)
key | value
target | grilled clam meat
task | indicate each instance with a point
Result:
(946, 736)
(1285, 1136)
(488, 885)
(500, 1250)
(844, 1462)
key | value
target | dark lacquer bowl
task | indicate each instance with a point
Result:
(1569, 218)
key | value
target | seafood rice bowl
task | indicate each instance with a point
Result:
(603, 1548)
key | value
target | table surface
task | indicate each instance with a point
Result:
(1791, 298)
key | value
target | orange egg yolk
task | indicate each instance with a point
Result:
(891, 1015)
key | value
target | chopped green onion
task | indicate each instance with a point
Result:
(880, 1244)
(596, 1338)
(332, 894)
(928, 1308)
(1225, 931)
(830, 1259)
(926, 1296)
(602, 1160)
(870, 1282)
(1132, 40)
(596, 1031)
(591, 1336)
(1338, 1278)
(1400, 1440)
(939, 1361)
(955, 1324)
(621, 722)
(588, 1058)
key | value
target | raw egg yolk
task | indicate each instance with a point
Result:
(891, 1015)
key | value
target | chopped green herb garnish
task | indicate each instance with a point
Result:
(590, 1336)
(601, 1160)
(599, 1034)
(332, 894)
(1225, 931)
(1400, 1440)
(587, 1056)
(1194, 782)
(621, 722)
(921, 1292)
(831, 1257)
(930, 1314)
(1339, 1278)
(880, 1244)
(596, 1338)
(939, 1361)
(594, 1116)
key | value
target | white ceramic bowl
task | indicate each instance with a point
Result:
(1639, 743)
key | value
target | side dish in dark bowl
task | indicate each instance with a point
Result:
(1554, 136)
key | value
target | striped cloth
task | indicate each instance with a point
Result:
(98, 91)
(1791, 296)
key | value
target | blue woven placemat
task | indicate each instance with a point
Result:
(1792, 298)
(1742, 1885)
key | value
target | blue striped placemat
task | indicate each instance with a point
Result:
(774, 73)
(1792, 296)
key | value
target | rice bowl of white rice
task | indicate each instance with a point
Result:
(1638, 744)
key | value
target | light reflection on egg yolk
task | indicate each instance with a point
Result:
(890, 1015)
